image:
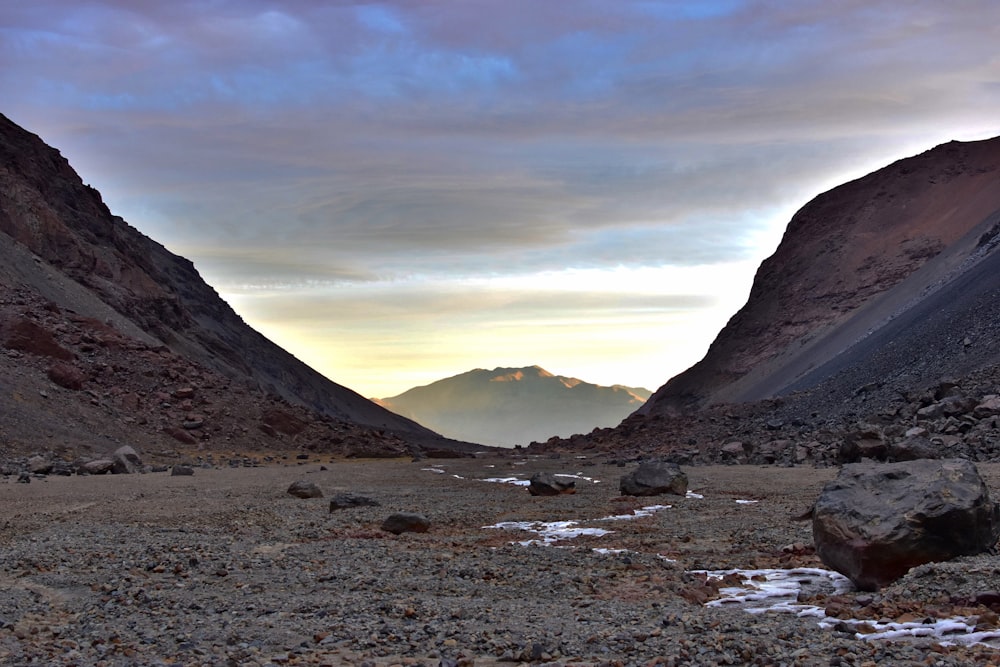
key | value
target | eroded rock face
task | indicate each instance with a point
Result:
(654, 478)
(877, 520)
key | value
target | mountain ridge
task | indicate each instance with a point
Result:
(840, 253)
(60, 243)
(514, 405)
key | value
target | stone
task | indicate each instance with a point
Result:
(67, 376)
(406, 522)
(348, 500)
(97, 467)
(547, 484)
(303, 489)
(913, 448)
(181, 471)
(126, 461)
(653, 478)
(988, 407)
(866, 442)
(39, 465)
(875, 521)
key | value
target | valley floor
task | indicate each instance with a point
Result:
(225, 568)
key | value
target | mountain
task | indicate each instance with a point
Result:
(876, 321)
(850, 262)
(143, 346)
(508, 406)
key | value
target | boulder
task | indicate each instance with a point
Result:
(39, 465)
(406, 522)
(913, 448)
(877, 520)
(301, 489)
(96, 467)
(125, 461)
(181, 471)
(347, 500)
(866, 442)
(547, 484)
(654, 478)
(67, 376)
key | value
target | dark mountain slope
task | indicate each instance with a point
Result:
(849, 261)
(59, 241)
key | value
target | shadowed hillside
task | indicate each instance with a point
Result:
(81, 287)
(849, 261)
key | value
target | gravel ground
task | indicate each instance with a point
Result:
(225, 568)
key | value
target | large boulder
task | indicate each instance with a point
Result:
(547, 484)
(654, 478)
(877, 520)
(126, 461)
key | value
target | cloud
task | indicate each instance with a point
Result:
(304, 146)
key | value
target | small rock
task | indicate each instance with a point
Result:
(347, 500)
(406, 522)
(302, 489)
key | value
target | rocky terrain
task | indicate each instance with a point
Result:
(510, 406)
(224, 567)
(871, 334)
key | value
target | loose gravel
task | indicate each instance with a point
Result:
(225, 568)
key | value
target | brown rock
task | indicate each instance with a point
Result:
(67, 376)
(406, 522)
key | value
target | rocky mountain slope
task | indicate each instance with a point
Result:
(509, 406)
(850, 261)
(107, 336)
(874, 328)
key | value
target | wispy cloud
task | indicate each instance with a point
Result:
(410, 146)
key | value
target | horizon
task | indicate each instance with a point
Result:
(398, 193)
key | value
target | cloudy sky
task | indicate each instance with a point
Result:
(401, 191)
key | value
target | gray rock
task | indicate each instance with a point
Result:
(348, 500)
(547, 484)
(654, 478)
(126, 461)
(97, 467)
(877, 520)
(302, 489)
(39, 465)
(913, 448)
(181, 471)
(406, 522)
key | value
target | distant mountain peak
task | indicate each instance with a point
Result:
(515, 405)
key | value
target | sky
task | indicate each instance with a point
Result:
(397, 192)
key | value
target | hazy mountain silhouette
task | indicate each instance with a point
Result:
(508, 406)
